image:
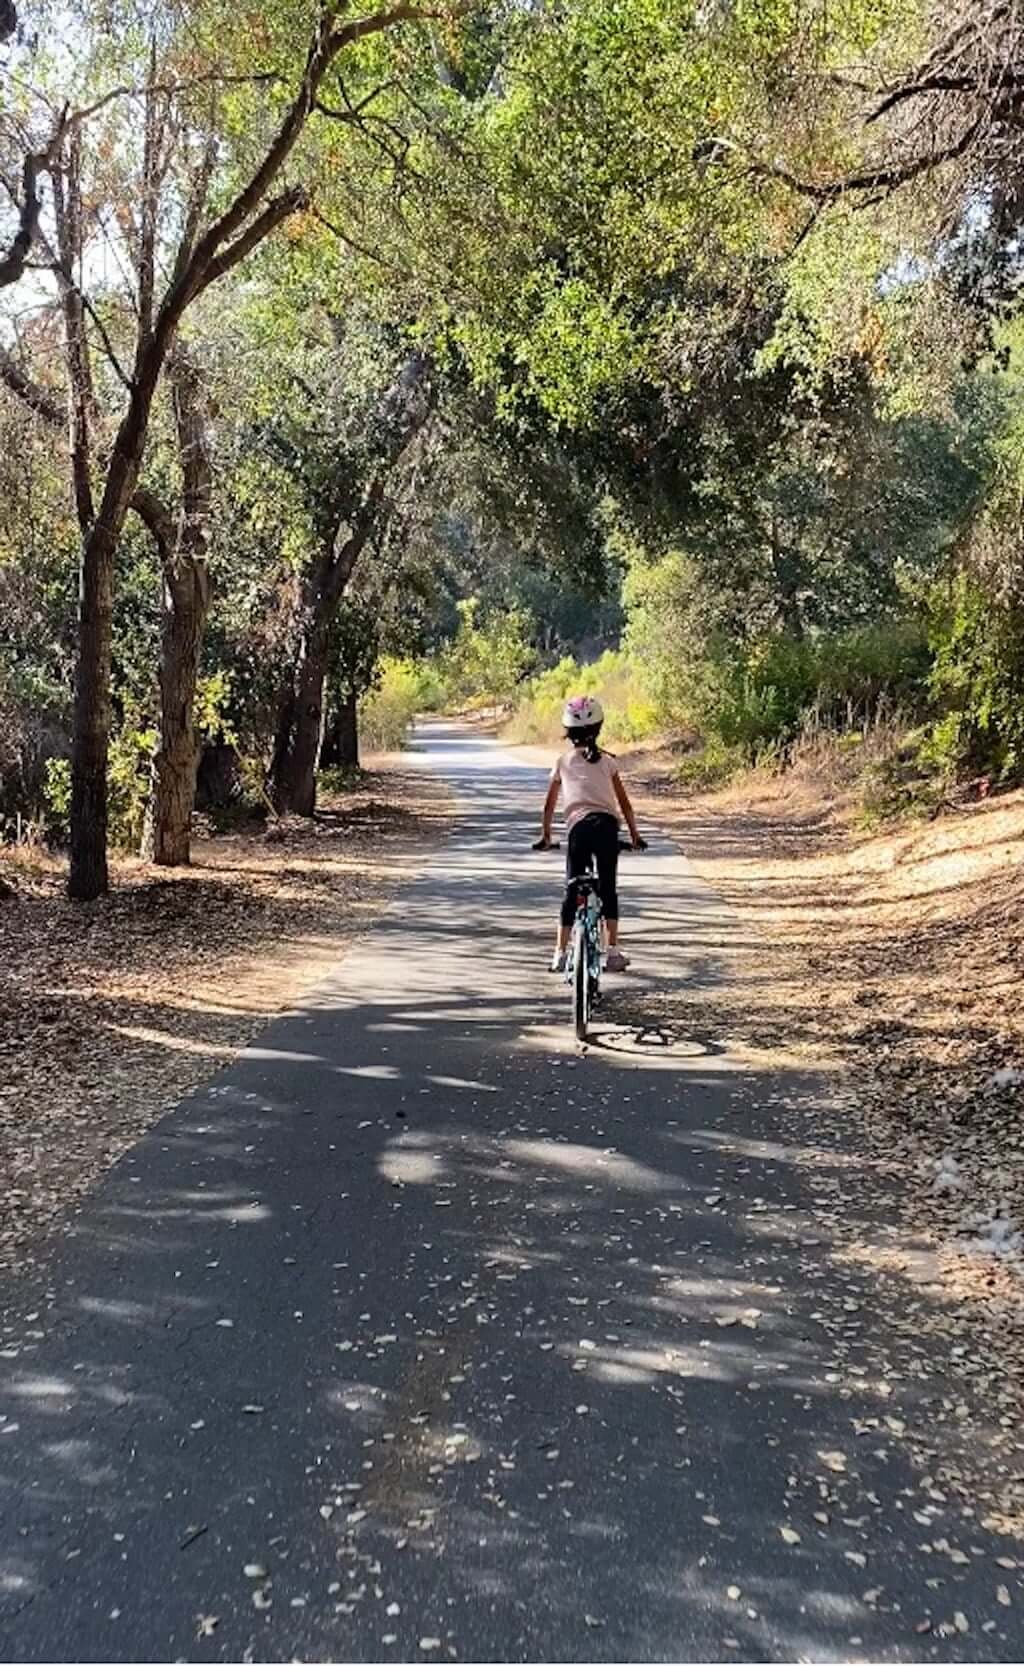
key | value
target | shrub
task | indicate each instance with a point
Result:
(977, 681)
(387, 712)
(631, 714)
(129, 771)
(57, 798)
(709, 766)
(488, 659)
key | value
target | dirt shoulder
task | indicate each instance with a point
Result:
(111, 1011)
(896, 957)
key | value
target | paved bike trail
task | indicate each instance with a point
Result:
(418, 1334)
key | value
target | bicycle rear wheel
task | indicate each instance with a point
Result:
(580, 981)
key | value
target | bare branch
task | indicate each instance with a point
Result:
(148, 216)
(153, 512)
(360, 27)
(32, 394)
(190, 420)
(351, 111)
(998, 81)
(194, 212)
(277, 210)
(108, 346)
(883, 178)
(358, 248)
(13, 263)
(171, 89)
(67, 206)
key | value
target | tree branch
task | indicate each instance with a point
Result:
(357, 248)
(13, 263)
(351, 112)
(882, 178)
(148, 212)
(171, 89)
(67, 210)
(193, 452)
(155, 515)
(360, 27)
(278, 209)
(108, 346)
(194, 212)
(1001, 80)
(32, 394)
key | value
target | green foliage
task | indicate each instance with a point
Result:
(708, 766)
(977, 680)
(403, 688)
(677, 411)
(131, 756)
(488, 658)
(212, 706)
(57, 798)
(630, 714)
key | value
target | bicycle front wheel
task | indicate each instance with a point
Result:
(580, 981)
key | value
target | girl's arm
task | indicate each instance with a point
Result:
(548, 812)
(627, 810)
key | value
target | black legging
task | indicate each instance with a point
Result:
(596, 835)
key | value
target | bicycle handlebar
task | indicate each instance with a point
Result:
(553, 844)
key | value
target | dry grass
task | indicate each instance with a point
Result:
(896, 956)
(111, 1011)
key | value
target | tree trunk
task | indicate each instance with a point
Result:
(89, 877)
(346, 730)
(790, 616)
(218, 778)
(166, 840)
(182, 543)
(295, 787)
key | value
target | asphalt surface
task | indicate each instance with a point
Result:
(417, 1334)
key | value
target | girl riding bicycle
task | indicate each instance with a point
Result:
(592, 794)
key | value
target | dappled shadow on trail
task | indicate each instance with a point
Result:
(423, 1325)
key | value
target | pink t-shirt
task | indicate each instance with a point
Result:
(586, 787)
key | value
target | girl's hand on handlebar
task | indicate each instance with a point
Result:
(544, 843)
(638, 843)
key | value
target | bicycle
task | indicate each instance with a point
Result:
(583, 960)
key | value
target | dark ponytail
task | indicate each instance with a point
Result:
(585, 741)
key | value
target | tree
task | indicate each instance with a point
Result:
(182, 541)
(175, 233)
(349, 490)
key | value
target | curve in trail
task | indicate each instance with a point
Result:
(415, 1333)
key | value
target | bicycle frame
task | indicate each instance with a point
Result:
(583, 961)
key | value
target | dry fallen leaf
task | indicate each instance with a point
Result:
(790, 1535)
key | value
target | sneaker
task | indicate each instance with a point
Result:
(615, 961)
(558, 961)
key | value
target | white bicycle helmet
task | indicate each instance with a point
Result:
(582, 711)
